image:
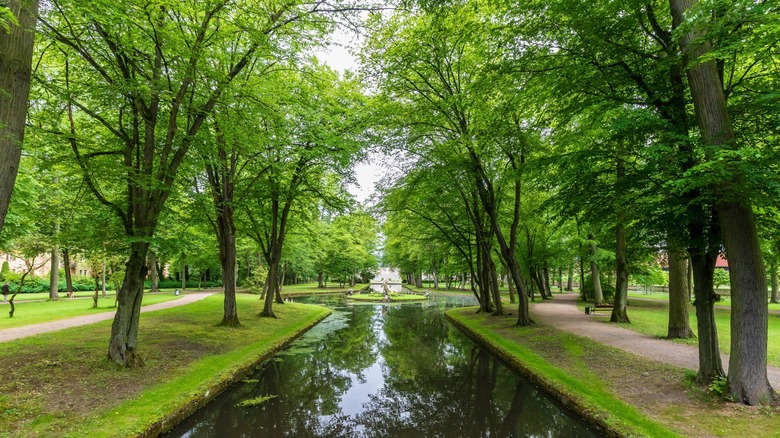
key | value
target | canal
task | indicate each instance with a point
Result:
(379, 370)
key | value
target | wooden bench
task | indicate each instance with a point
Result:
(591, 310)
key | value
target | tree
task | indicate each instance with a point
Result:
(748, 381)
(16, 49)
(139, 80)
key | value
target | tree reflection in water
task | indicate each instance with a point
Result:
(384, 371)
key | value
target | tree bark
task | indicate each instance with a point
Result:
(679, 325)
(710, 365)
(54, 275)
(594, 272)
(16, 49)
(122, 348)
(183, 274)
(748, 382)
(320, 276)
(619, 310)
(68, 276)
(775, 298)
(570, 280)
(154, 276)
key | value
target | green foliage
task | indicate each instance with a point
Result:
(39, 284)
(719, 386)
(174, 284)
(607, 288)
(4, 271)
(721, 277)
(256, 280)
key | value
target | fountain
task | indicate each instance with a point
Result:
(387, 282)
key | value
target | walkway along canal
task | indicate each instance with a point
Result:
(383, 370)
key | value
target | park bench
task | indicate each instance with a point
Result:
(591, 310)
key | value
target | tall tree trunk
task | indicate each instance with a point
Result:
(54, 274)
(154, 276)
(320, 278)
(710, 365)
(183, 273)
(775, 298)
(435, 274)
(679, 326)
(103, 275)
(273, 287)
(619, 311)
(594, 271)
(227, 258)
(570, 280)
(748, 382)
(16, 49)
(546, 280)
(68, 276)
(123, 346)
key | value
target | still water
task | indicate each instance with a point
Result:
(383, 371)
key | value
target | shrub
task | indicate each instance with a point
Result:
(174, 284)
(607, 289)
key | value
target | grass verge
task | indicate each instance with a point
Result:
(652, 318)
(59, 384)
(620, 392)
(36, 312)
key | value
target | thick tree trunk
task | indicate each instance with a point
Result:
(710, 365)
(546, 280)
(679, 325)
(154, 276)
(619, 310)
(54, 275)
(68, 276)
(122, 348)
(227, 258)
(418, 280)
(16, 49)
(320, 278)
(748, 380)
(273, 285)
(775, 298)
(594, 272)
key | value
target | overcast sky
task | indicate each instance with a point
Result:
(337, 56)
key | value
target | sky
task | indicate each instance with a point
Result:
(337, 56)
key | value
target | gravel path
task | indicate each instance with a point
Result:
(561, 312)
(11, 334)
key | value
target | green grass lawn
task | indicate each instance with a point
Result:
(311, 289)
(652, 318)
(34, 312)
(60, 383)
(725, 300)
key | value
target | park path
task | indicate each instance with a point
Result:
(11, 334)
(561, 312)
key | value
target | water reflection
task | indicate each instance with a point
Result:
(383, 371)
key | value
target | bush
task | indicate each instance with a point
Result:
(174, 284)
(256, 280)
(607, 289)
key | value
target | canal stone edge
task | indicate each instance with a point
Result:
(567, 400)
(200, 399)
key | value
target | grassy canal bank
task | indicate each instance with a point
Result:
(618, 392)
(60, 384)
